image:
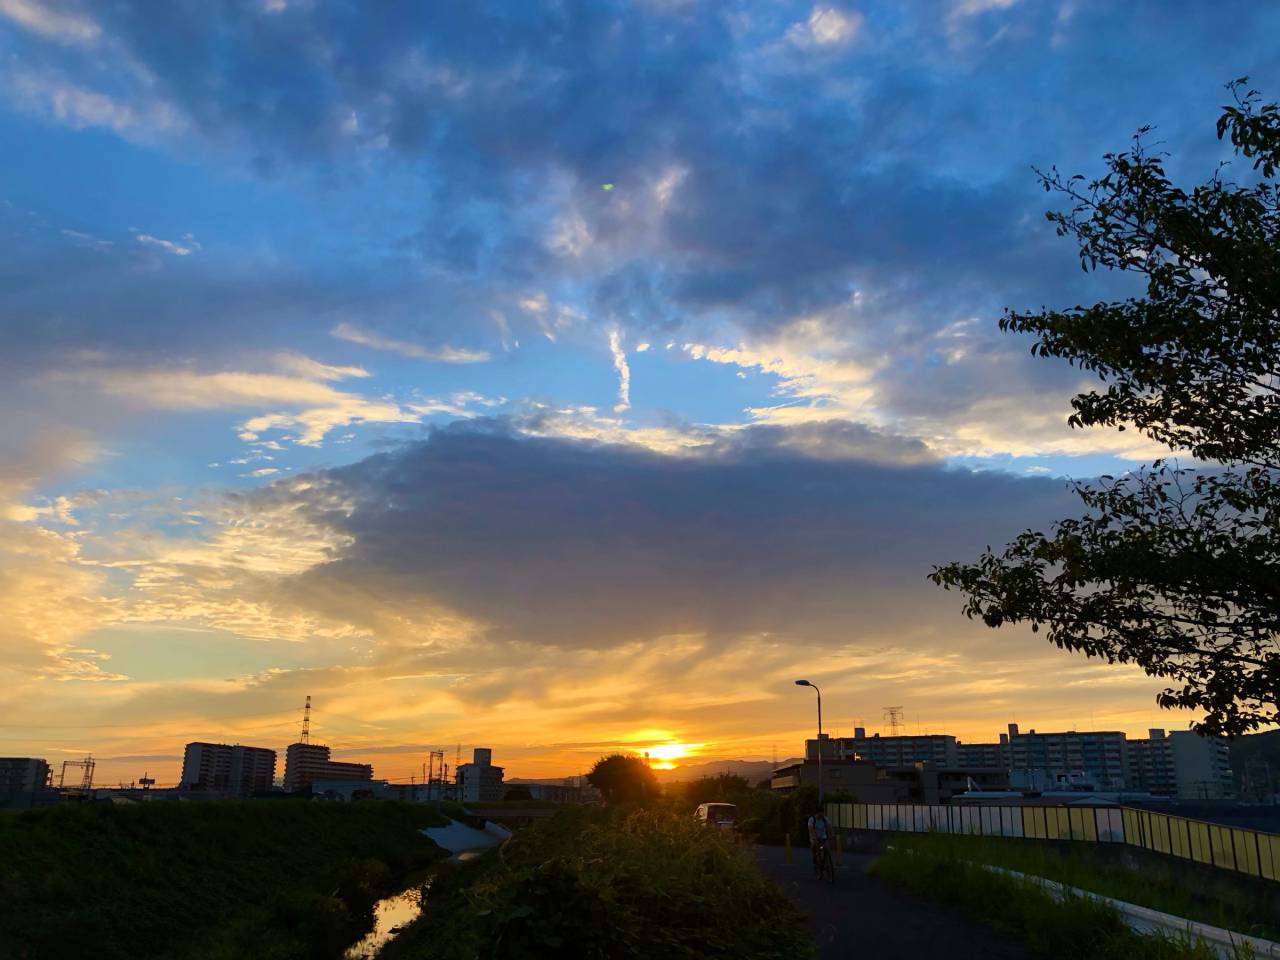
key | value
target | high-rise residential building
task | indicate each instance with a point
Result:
(480, 781)
(1182, 764)
(306, 762)
(1151, 764)
(985, 755)
(1101, 755)
(903, 751)
(1202, 766)
(232, 769)
(23, 774)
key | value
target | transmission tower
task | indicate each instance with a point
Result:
(306, 722)
(86, 775)
(893, 717)
(435, 775)
(457, 762)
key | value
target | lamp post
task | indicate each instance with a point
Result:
(806, 683)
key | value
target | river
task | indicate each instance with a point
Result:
(390, 915)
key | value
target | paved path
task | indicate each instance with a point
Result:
(861, 916)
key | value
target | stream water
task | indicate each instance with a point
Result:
(392, 914)
(389, 916)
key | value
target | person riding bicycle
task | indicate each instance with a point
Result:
(819, 830)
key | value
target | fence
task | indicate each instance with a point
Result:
(1230, 848)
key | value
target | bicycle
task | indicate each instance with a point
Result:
(824, 867)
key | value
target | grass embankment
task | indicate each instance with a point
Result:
(597, 883)
(949, 869)
(1235, 902)
(272, 880)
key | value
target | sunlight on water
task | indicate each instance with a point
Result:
(389, 916)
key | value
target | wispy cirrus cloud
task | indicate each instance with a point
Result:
(183, 247)
(48, 21)
(306, 406)
(623, 369)
(443, 354)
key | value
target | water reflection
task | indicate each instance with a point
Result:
(389, 916)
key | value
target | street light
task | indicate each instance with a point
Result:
(806, 683)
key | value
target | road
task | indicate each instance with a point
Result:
(861, 916)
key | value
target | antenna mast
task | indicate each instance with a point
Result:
(306, 721)
(893, 715)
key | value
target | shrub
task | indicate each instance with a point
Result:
(624, 884)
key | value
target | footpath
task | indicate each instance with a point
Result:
(860, 916)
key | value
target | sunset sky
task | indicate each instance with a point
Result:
(556, 377)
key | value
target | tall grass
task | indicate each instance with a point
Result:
(608, 884)
(1067, 928)
(1240, 904)
(272, 880)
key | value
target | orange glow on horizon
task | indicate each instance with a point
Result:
(663, 756)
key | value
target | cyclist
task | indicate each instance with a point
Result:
(819, 830)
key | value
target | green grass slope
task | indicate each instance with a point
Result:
(276, 880)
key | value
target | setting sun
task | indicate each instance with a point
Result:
(663, 756)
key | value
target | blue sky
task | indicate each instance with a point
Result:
(290, 290)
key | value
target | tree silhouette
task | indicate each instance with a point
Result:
(723, 787)
(621, 778)
(1175, 569)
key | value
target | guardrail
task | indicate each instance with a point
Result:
(1245, 851)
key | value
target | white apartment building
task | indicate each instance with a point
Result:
(480, 781)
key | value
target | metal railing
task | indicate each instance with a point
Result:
(1230, 848)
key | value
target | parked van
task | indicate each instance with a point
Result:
(723, 816)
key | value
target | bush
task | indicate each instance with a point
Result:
(608, 883)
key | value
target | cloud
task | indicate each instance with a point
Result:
(826, 27)
(756, 184)
(832, 198)
(313, 407)
(49, 596)
(179, 248)
(980, 402)
(53, 94)
(624, 371)
(484, 579)
(353, 334)
(42, 19)
(765, 531)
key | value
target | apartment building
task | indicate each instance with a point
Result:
(480, 781)
(305, 763)
(902, 751)
(23, 774)
(1102, 755)
(233, 769)
(1181, 764)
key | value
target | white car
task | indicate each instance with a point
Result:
(724, 816)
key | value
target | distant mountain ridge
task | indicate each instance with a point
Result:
(751, 770)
